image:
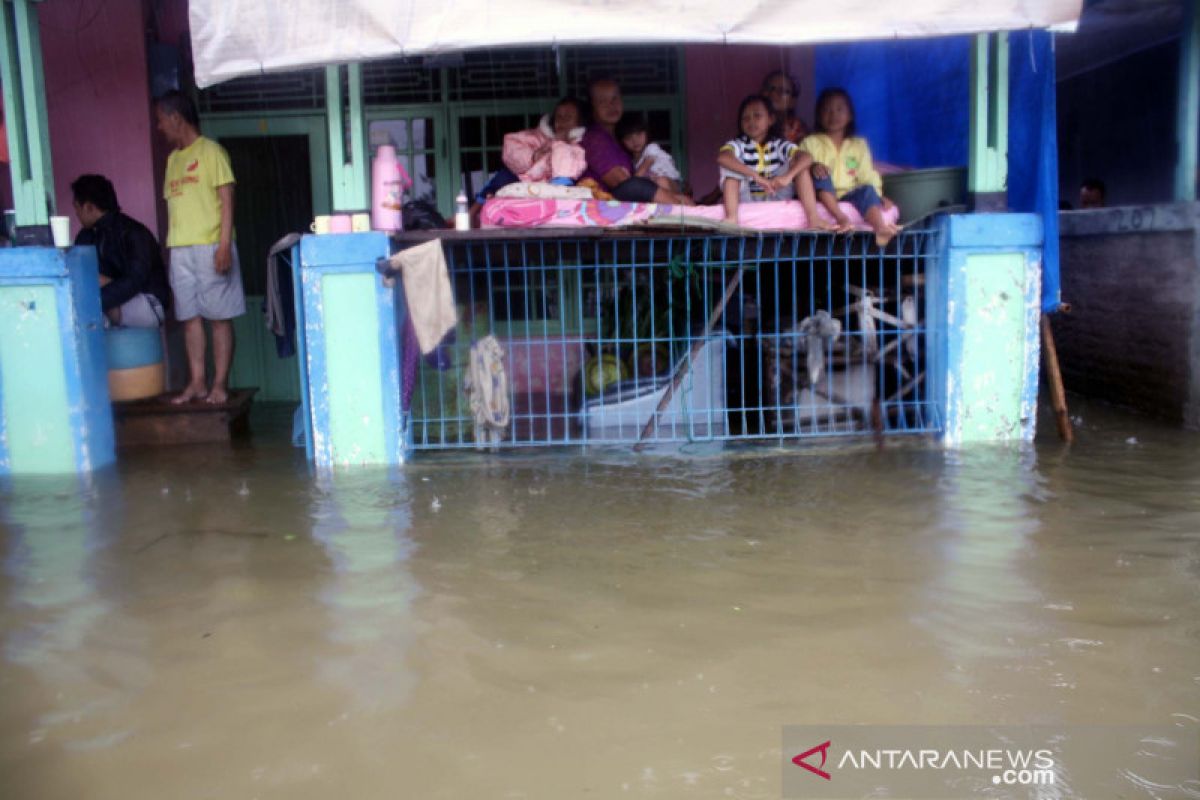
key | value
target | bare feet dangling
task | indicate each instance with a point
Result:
(885, 235)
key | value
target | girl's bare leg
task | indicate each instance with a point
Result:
(666, 183)
(731, 192)
(808, 199)
(884, 230)
(829, 201)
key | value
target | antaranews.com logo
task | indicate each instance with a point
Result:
(954, 761)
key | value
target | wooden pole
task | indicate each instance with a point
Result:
(686, 364)
(1058, 395)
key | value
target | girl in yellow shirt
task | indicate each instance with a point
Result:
(842, 169)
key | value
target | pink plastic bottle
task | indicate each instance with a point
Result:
(388, 182)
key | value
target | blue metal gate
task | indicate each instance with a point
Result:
(627, 337)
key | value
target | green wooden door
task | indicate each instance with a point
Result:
(273, 199)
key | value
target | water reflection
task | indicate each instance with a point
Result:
(363, 521)
(977, 589)
(57, 627)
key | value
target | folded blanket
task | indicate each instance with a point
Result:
(536, 213)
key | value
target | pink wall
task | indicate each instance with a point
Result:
(98, 100)
(718, 77)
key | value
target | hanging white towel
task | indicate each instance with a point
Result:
(486, 387)
(428, 292)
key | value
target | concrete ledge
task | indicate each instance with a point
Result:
(333, 249)
(995, 231)
(1129, 219)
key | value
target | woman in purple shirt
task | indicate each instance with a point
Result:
(608, 163)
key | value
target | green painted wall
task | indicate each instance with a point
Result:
(351, 321)
(255, 361)
(993, 367)
(33, 381)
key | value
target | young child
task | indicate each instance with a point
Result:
(759, 164)
(551, 151)
(842, 169)
(649, 160)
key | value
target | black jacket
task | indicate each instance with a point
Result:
(129, 254)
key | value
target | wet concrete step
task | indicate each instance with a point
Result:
(157, 421)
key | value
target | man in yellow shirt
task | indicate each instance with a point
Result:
(206, 278)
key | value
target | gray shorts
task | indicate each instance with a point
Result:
(746, 196)
(142, 311)
(199, 290)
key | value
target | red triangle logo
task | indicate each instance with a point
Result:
(192, 166)
(800, 762)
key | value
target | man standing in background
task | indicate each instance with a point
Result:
(206, 278)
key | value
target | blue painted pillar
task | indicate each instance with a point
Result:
(986, 298)
(1187, 113)
(348, 347)
(55, 415)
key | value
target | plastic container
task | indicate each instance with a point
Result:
(462, 216)
(135, 363)
(921, 191)
(388, 182)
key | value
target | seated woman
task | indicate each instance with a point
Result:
(608, 163)
(551, 151)
(784, 91)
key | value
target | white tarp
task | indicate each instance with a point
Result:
(246, 37)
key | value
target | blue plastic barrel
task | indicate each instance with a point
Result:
(135, 362)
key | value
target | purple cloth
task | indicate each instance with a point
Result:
(411, 361)
(603, 153)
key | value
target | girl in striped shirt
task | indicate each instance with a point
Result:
(759, 164)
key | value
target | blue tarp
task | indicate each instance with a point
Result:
(912, 99)
(1033, 146)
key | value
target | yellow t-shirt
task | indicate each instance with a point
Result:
(850, 167)
(190, 188)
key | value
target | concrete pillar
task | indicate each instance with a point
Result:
(987, 298)
(348, 345)
(347, 171)
(987, 181)
(55, 415)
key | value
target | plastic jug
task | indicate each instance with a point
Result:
(388, 182)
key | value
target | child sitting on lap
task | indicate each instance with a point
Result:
(842, 169)
(551, 151)
(759, 164)
(649, 160)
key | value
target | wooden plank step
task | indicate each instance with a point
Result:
(157, 421)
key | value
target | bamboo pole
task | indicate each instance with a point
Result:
(686, 364)
(1058, 395)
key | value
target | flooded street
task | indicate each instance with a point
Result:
(217, 623)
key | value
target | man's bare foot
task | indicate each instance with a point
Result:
(218, 396)
(885, 235)
(188, 395)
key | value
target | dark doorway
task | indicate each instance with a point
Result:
(273, 198)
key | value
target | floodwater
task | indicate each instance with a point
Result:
(217, 623)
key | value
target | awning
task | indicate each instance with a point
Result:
(248, 37)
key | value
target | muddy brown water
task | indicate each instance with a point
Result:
(219, 623)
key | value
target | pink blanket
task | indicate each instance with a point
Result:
(539, 213)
